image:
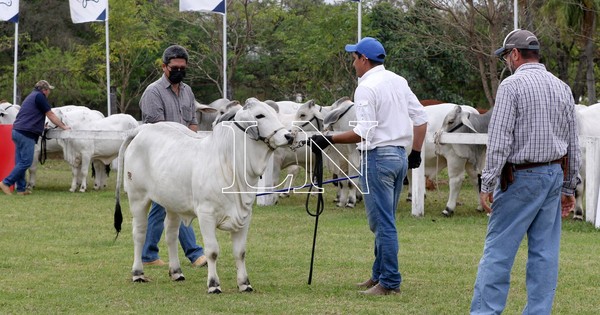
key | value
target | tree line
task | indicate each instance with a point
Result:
(277, 49)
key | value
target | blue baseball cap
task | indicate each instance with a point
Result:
(369, 47)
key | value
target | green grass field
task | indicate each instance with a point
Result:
(59, 256)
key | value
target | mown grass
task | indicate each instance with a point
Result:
(59, 256)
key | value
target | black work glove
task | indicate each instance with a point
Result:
(320, 142)
(414, 159)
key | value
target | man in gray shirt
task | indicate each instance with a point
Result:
(169, 99)
(533, 127)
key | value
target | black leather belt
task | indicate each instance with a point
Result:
(519, 167)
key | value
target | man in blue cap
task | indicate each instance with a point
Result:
(390, 118)
(531, 131)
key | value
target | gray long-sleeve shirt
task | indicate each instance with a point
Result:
(534, 121)
(160, 103)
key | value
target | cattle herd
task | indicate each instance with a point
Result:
(242, 150)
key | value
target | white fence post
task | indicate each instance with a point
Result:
(418, 189)
(592, 180)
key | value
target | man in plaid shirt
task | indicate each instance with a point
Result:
(532, 129)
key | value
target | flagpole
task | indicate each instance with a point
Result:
(225, 51)
(15, 63)
(107, 64)
(516, 14)
(359, 19)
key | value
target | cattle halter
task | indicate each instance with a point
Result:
(266, 139)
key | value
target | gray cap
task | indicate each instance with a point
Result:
(174, 52)
(43, 85)
(520, 39)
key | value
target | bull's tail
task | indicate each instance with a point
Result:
(118, 220)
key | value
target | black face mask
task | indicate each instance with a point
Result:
(176, 76)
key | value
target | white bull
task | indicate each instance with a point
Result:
(587, 121)
(207, 118)
(199, 177)
(80, 152)
(70, 115)
(8, 113)
(345, 159)
(285, 157)
(463, 157)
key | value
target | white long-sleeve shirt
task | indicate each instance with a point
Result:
(386, 110)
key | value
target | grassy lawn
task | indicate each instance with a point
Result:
(59, 256)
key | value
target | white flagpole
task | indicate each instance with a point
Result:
(516, 14)
(225, 51)
(107, 64)
(15, 63)
(359, 19)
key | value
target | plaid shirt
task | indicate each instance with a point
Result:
(160, 103)
(533, 121)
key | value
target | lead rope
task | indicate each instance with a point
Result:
(318, 177)
(43, 154)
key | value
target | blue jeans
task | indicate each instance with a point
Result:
(384, 169)
(24, 147)
(156, 225)
(530, 206)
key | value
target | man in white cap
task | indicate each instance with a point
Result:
(531, 131)
(390, 118)
(27, 128)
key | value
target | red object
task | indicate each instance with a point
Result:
(7, 151)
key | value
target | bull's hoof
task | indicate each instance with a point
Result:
(140, 279)
(72, 190)
(214, 290)
(350, 205)
(578, 217)
(409, 197)
(247, 288)
(176, 275)
(447, 212)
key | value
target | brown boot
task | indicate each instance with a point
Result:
(379, 290)
(5, 188)
(367, 284)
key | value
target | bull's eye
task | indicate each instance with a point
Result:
(302, 116)
(259, 116)
(451, 122)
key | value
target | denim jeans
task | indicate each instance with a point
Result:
(530, 206)
(156, 225)
(384, 169)
(24, 147)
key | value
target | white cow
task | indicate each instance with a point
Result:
(345, 158)
(199, 177)
(207, 118)
(292, 160)
(8, 113)
(80, 152)
(463, 157)
(587, 121)
(69, 114)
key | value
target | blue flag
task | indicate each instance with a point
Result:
(83, 11)
(9, 10)
(216, 6)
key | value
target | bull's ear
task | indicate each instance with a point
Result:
(273, 104)
(335, 114)
(228, 116)
(250, 128)
(205, 108)
(252, 132)
(465, 120)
